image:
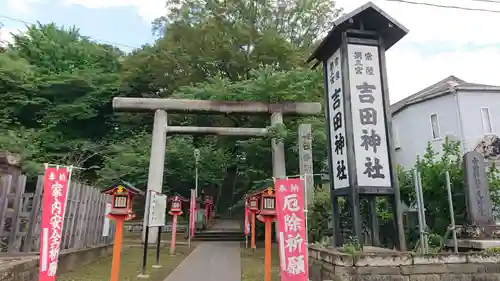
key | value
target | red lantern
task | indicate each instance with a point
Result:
(123, 196)
(176, 206)
(268, 203)
(253, 204)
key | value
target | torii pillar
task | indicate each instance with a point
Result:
(160, 129)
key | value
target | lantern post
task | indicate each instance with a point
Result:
(253, 207)
(267, 215)
(121, 211)
(175, 210)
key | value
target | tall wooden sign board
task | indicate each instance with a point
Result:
(357, 113)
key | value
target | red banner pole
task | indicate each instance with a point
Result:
(253, 231)
(267, 248)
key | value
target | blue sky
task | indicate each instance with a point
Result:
(120, 24)
(461, 43)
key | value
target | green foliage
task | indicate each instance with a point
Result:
(57, 86)
(432, 167)
(319, 215)
(493, 250)
(494, 181)
(352, 246)
(277, 132)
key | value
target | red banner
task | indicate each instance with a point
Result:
(291, 220)
(247, 222)
(55, 190)
(192, 212)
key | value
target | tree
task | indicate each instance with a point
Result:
(233, 50)
(205, 39)
(59, 84)
(299, 22)
(432, 167)
(219, 165)
(57, 88)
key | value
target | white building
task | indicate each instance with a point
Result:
(469, 113)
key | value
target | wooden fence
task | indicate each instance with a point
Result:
(20, 215)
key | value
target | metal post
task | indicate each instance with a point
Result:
(158, 247)
(197, 159)
(189, 237)
(232, 191)
(145, 254)
(424, 223)
(452, 213)
(189, 228)
(419, 211)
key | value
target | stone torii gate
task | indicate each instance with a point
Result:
(160, 129)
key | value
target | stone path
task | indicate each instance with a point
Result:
(218, 261)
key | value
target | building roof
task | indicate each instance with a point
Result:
(449, 85)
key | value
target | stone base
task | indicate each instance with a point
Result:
(478, 232)
(473, 244)
(143, 276)
(378, 250)
(369, 250)
(157, 266)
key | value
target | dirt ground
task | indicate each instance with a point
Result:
(252, 264)
(131, 262)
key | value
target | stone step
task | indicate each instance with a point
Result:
(220, 236)
(220, 233)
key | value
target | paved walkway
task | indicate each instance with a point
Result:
(218, 261)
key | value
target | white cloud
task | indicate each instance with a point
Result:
(408, 71)
(21, 7)
(147, 9)
(411, 69)
(5, 36)
(440, 24)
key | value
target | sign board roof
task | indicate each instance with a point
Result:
(123, 184)
(371, 18)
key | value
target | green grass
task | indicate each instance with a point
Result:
(252, 264)
(131, 262)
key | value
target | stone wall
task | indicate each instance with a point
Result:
(328, 264)
(26, 268)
